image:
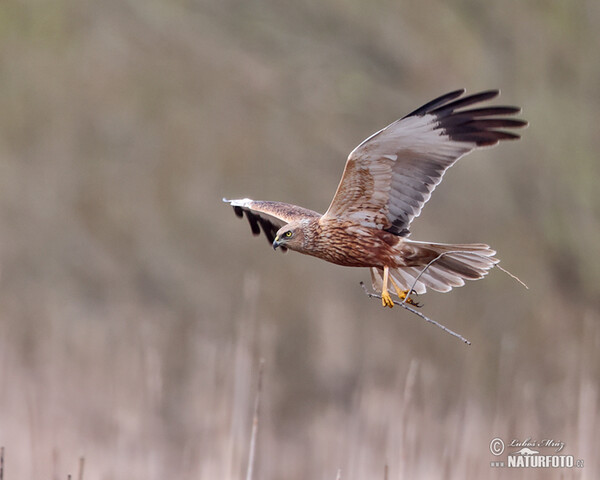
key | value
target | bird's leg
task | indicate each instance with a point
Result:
(386, 299)
(402, 294)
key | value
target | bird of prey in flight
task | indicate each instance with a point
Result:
(387, 180)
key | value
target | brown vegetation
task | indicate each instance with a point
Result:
(134, 306)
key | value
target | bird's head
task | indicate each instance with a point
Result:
(292, 236)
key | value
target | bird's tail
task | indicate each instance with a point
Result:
(438, 266)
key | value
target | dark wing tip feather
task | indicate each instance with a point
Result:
(488, 111)
(497, 123)
(253, 221)
(481, 126)
(482, 133)
(484, 138)
(266, 228)
(463, 102)
(239, 211)
(433, 104)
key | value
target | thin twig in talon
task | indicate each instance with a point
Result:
(412, 287)
(512, 275)
(419, 314)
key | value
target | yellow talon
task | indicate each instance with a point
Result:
(402, 294)
(386, 300)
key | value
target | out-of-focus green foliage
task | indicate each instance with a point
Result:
(134, 305)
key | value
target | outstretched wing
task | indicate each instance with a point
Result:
(390, 175)
(269, 216)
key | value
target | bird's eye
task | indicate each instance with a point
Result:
(287, 234)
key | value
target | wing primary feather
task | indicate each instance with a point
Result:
(483, 138)
(463, 102)
(497, 123)
(252, 220)
(429, 106)
(490, 111)
(239, 211)
(481, 123)
(268, 228)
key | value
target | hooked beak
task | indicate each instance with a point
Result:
(276, 243)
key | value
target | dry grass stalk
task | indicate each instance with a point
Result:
(81, 466)
(252, 453)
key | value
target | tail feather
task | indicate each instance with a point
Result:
(449, 266)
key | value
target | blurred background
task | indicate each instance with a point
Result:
(135, 306)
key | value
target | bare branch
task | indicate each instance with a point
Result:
(403, 303)
(419, 314)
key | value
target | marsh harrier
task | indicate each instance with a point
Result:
(387, 180)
